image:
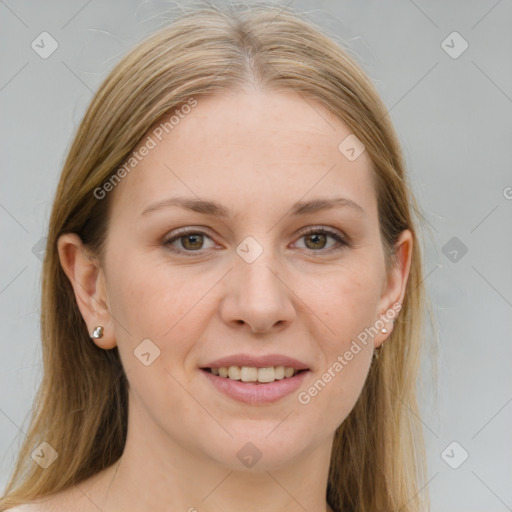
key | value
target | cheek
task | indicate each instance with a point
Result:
(153, 300)
(157, 303)
(343, 301)
(346, 303)
(346, 347)
(335, 391)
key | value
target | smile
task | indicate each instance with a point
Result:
(242, 383)
(254, 374)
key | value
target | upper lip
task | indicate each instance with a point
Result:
(257, 361)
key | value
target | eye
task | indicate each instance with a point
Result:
(192, 240)
(189, 239)
(316, 239)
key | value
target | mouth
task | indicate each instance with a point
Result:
(255, 385)
(256, 379)
(256, 375)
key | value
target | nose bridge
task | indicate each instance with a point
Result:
(258, 295)
(258, 265)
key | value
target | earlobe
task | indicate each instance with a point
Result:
(87, 279)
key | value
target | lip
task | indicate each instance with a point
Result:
(257, 361)
(256, 393)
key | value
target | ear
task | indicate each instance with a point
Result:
(88, 281)
(394, 288)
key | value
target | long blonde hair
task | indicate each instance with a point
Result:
(378, 457)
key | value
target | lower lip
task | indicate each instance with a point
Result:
(256, 393)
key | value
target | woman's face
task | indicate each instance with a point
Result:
(260, 277)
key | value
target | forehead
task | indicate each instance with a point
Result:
(243, 148)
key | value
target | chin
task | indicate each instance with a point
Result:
(262, 449)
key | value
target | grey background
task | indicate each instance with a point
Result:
(453, 118)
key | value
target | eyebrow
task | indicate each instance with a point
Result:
(213, 208)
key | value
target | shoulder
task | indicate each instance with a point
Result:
(27, 507)
(59, 502)
(77, 498)
(35, 506)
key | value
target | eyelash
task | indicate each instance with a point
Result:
(187, 231)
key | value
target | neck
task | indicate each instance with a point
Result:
(155, 469)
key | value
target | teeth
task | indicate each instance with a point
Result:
(288, 372)
(248, 374)
(266, 374)
(234, 372)
(279, 372)
(253, 374)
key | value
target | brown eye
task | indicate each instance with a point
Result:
(189, 241)
(192, 242)
(316, 239)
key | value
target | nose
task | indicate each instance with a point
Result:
(258, 297)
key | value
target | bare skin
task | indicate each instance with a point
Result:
(257, 154)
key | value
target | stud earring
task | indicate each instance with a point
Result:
(97, 333)
(384, 330)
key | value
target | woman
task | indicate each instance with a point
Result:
(231, 244)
